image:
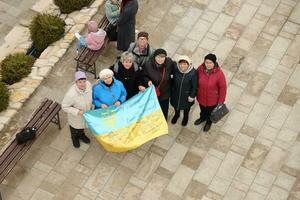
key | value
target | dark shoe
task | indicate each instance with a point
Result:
(174, 119)
(75, 141)
(206, 127)
(199, 121)
(184, 121)
(85, 139)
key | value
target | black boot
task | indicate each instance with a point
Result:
(207, 127)
(176, 116)
(75, 139)
(199, 121)
(185, 120)
(84, 138)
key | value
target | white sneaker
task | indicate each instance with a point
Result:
(77, 35)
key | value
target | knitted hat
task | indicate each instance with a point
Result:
(105, 73)
(160, 52)
(211, 57)
(92, 26)
(79, 75)
(143, 34)
(184, 58)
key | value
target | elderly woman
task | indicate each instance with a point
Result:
(184, 89)
(158, 71)
(141, 49)
(77, 100)
(211, 89)
(128, 72)
(108, 91)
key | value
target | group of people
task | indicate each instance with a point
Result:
(140, 66)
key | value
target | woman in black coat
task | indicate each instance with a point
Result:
(128, 72)
(126, 24)
(184, 89)
(157, 71)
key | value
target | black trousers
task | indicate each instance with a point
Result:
(206, 112)
(76, 132)
(185, 112)
(164, 105)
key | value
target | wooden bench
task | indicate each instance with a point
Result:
(47, 112)
(86, 57)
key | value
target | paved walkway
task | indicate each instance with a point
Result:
(11, 12)
(253, 154)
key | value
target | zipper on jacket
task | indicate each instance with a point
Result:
(180, 91)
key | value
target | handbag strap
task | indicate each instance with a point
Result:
(163, 77)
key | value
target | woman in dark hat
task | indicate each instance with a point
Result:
(157, 71)
(211, 89)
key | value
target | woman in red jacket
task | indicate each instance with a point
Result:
(211, 89)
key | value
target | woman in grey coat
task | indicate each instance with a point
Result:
(126, 24)
(184, 89)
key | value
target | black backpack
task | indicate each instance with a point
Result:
(26, 134)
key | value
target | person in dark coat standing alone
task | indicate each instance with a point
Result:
(129, 73)
(126, 24)
(158, 71)
(184, 89)
(211, 89)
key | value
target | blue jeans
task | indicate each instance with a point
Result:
(81, 43)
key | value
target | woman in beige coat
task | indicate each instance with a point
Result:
(77, 100)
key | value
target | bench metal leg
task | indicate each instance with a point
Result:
(56, 120)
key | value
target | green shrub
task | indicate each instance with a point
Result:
(46, 29)
(15, 67)
(68, 6)
(4, 96)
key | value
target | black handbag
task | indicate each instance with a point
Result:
(25, 135)
(218, 112)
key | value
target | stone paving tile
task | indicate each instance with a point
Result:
(253, 153)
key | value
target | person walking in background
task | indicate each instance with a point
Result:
(128, 72)
(126, 24)
(158, 71)
(112, 12)
(108, 91)
(211, 89)
(94, 40)
(184, 89)
(77, 100)
(141, 49)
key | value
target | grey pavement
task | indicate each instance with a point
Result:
(253, 154)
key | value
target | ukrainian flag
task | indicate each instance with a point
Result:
(130, 125)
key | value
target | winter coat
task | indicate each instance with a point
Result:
(153, 73)
(76, 100)
(103, 94)
(131, 78)
(211, 86)
(126, 25)
(112, 12)
(140, 57)
(95, 40)
(184, 85)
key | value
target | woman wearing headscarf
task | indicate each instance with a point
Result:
(128, 72)
(126, 24)
(77, 100)
(158, 71)
(108, 91)
(184, 89)
(211, 89)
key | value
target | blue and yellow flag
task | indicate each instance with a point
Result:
(130, 125)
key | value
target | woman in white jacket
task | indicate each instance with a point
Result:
(77, 100)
